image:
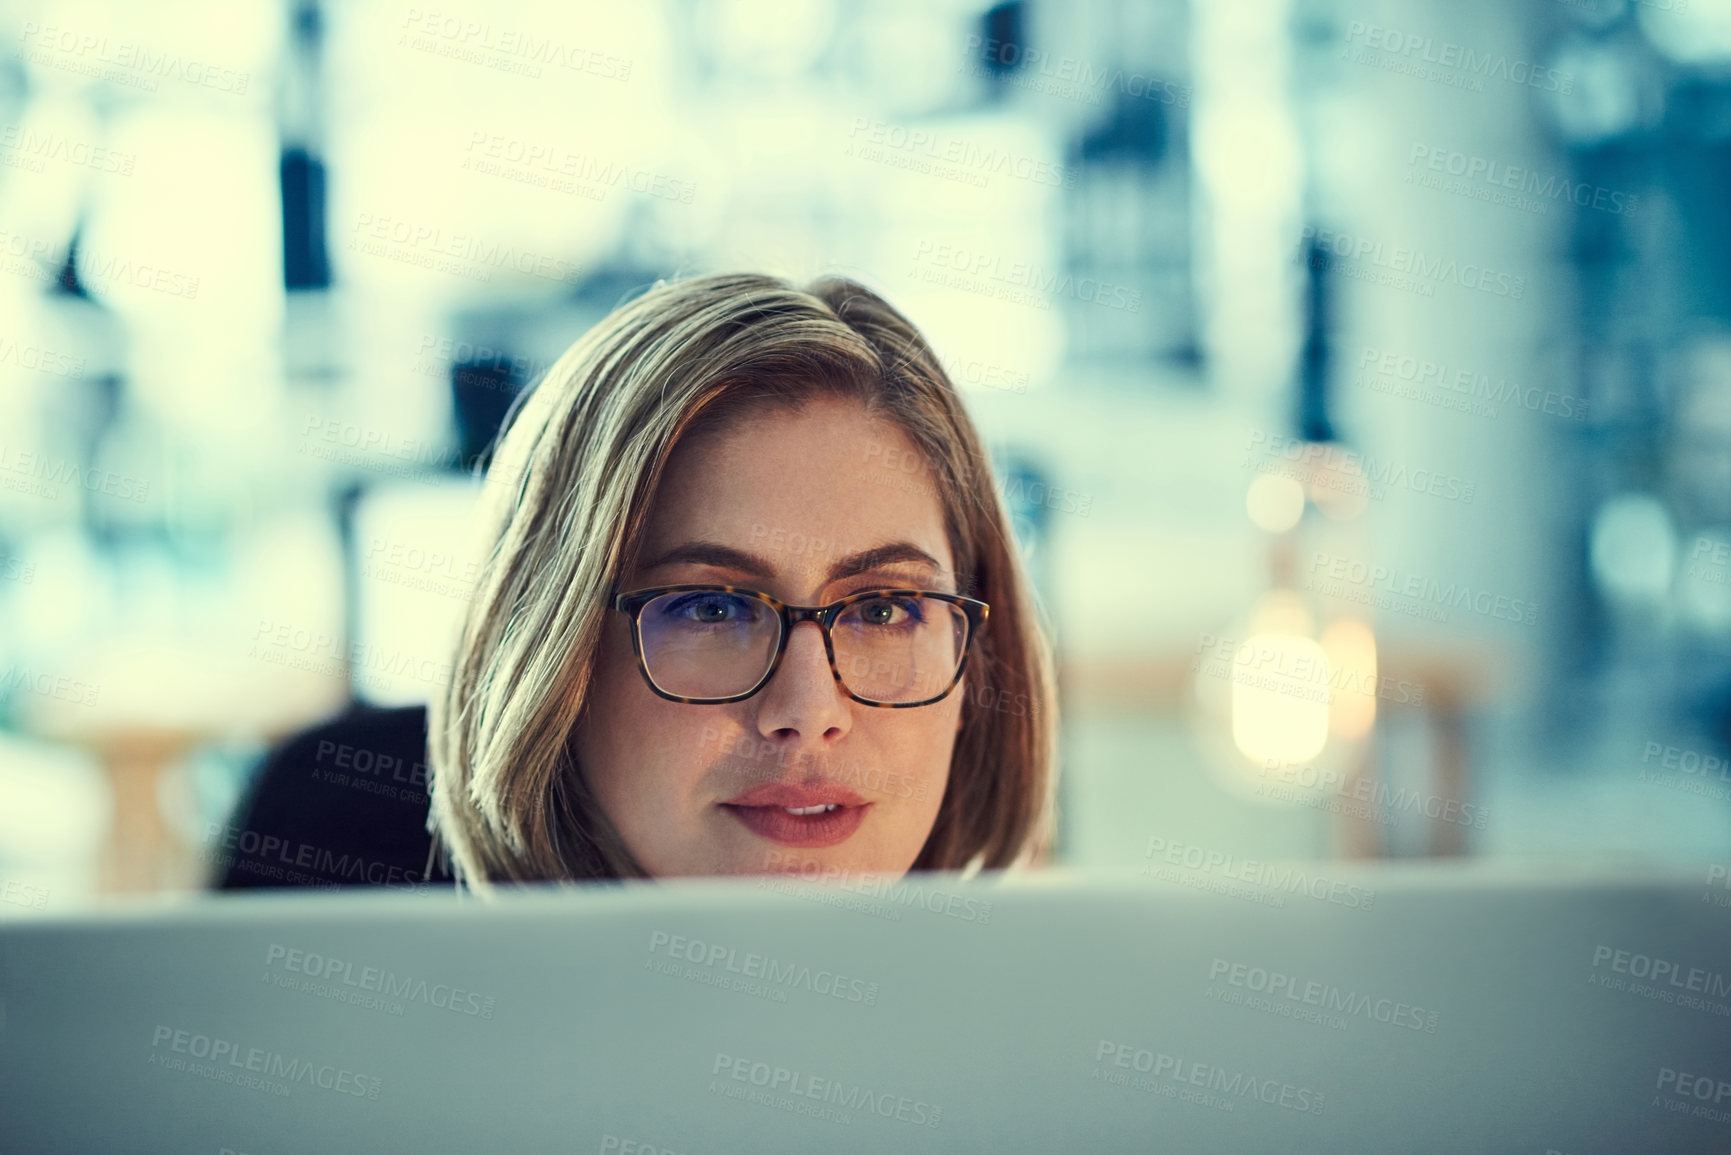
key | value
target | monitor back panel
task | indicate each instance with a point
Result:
(1376, 1013)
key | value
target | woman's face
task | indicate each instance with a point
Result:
(807, 505)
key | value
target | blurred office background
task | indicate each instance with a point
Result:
(1359, 374)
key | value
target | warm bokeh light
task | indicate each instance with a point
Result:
(1350, 647)
(1279, 706)
(1280, 694)
(1275, 503)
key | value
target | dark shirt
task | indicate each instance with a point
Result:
(341, 804)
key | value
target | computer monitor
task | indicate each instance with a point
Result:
(1290, 1009)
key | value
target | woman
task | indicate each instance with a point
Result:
(751, 605)
(773, 447)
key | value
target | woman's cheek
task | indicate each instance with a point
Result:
(632, 744)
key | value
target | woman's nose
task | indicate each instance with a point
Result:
(802, 700)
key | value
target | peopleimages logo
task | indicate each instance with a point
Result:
(1667, 975)
(1348, 471)
(77, 50)
(269, 854)
(1276, 984)
(1291, 879)
(1484, 179)
(374, 980)
(40, 359)
(632, 1146)
(1336, 576)
(1713, 569)
(378, 764)
(767, 761)
(16, 677)
(1068, 77)
(23, 894)
(1257, 663)
(1615, 7)
(1203, 1075)
(414, 567)
(903, 890)
(15, 569)
(1690, 771)
(1448, 62)
(517, 50)
(1700, 1088)
(1304, 783)
(1469, 385)
(438, 356)
(40, 475)
(227, 1061)
(1405, 268)
(937, 153)
(286, 644)
(792, 1090)
(98, 267)
(1019, 282)
(1718, 874)
(419, 243)
(36, 147)
(548, 164)
(776, 972)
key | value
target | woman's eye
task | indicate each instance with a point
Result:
(709, 609)
(888, 612)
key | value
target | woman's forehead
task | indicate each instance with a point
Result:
(800, 485)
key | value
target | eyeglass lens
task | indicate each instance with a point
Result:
(716, 644)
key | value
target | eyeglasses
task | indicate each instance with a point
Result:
(709, 644)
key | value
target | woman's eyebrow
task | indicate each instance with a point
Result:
(715, 554)
(896, 553)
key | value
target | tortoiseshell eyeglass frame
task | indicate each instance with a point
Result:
(825, 616)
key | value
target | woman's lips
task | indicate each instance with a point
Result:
(833, 812)
(806, 830)
(795, 796)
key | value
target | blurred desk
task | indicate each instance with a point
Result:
(1456, 680)
(154, 706)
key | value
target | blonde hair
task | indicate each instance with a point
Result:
(568, 495)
